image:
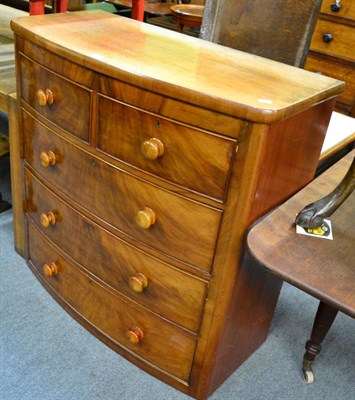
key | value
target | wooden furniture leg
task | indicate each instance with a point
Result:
(36, 7)
(322, 323)
(138, 10)
(4, 151)
(17, 189)
(4, 205)
(59, 6)
(180, 26)
(312, 216)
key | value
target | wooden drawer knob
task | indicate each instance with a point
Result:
(44, 97)
(138, 282)
(146, 218)
(47, 158)
(327, 37)
(47, 219)
(336, 6)
(152, 148)
(135, 335)
(50, 269)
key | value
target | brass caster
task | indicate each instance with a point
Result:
(308, 376)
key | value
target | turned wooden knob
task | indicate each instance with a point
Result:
(50, 269)
(135, 335)
(146, 218)
(138, 282)
(47, 219)
(152, 148)
(44, 97)
(47, 158)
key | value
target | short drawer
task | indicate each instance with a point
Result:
(60, 100)
(172, 224)
(334, 39)
(196, 160)
(175, 295)
(345, 8)
(132, 327)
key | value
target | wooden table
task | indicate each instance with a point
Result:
(323, 268)
(188, 14)
(161, 9)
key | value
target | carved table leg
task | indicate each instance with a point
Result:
(322, 323)
(312, 216)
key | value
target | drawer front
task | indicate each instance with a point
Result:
(71, 103)
(167, 291)
(342, 39)
(346, 9)
(337, 71)
(162, 343)
(193, 159)
(171, 108)
(176, 226)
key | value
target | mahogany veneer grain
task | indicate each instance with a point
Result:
(239, 134)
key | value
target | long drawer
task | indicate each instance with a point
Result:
(58, 99)
(165, 148)
(175, 295)
(132, 327)
(172, 224)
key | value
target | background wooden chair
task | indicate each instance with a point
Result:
(276, 29)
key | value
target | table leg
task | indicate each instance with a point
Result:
(4, 205)
(138, 10)
(180, 26)
(322, 323)
(36, 7)
(59, 6)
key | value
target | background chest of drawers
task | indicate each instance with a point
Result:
(144, 159)
(332, 49)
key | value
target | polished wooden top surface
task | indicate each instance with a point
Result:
(182, 67)
(188, 10)
(321, 267)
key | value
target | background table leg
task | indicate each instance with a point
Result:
(322, 323)
(59, 6)
(138, 10)
(36, 7)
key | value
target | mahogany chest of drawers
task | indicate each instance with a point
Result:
(145, 155)
(332, 49)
